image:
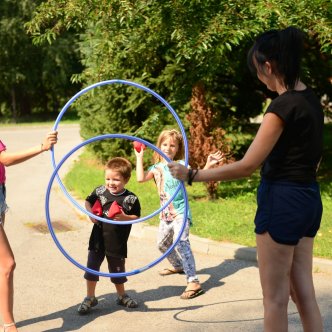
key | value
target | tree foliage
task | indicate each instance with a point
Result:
(34, 79)
(172, 47)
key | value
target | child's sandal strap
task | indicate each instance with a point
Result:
(127, 301)
(7, 326)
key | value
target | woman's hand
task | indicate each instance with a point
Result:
(178, 171)
(50, 139)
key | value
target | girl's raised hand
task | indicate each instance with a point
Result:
(213, 159)
(139, 149)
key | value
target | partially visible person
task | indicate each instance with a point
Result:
(182, 260)
(7, 260)
(288, 145)
(112, 201)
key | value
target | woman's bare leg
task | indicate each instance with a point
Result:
(275, 262)
(7, 266)
(302, 286)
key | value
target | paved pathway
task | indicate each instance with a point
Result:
(48, 288)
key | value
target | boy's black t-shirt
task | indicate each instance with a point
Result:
(297, 153)
(114, 236)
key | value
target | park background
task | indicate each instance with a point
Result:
(192, 53)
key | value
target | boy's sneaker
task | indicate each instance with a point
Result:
(87, 304)
(126, 301)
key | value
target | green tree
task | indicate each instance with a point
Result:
(174, 47)
(34, 79)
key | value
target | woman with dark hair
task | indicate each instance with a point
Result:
(288, 148)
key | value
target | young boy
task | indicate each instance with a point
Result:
(110, 240)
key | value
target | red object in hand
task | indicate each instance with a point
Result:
(138, 146)
(97, 208)
(114, 210)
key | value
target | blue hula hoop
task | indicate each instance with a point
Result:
(168, 106)
(49, 223)
(101, 137)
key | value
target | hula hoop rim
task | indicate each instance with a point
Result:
(56, 169)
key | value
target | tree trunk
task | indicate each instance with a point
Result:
(14, 105)
(201, 142)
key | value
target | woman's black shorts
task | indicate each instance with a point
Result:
(288, 211)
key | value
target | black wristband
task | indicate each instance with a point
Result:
(191, 175)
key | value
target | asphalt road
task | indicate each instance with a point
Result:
(49, 288)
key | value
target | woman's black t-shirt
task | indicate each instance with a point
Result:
(296, 155)
(114, 237)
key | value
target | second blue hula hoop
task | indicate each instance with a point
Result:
(64, 252)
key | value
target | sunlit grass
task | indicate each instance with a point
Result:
(227, 219)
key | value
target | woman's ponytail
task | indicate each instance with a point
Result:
(283, 49)
(291, 48)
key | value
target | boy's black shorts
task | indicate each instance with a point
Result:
(115, 265)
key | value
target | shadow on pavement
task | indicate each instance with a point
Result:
(223, 270)
(73, 321)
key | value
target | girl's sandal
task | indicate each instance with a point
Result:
(191, 293)
(169, 271)
(5, 327)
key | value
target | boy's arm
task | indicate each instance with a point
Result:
(88, 207)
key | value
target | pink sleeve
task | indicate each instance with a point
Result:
(2, 147)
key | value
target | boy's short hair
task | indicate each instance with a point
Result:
(121, 165)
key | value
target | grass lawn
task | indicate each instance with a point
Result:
(228, 219)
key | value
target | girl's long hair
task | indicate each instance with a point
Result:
(165, 134)
(283, 49)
